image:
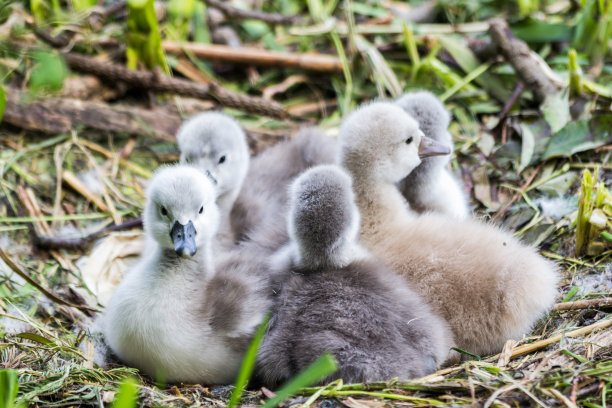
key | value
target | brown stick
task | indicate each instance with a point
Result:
(528, 65)
(60, 115)
(538, 345)
(11, 264)
(45, 242)
(239, 14)
(253, 56)
(583, 304)
(72, 180)
(157, 81)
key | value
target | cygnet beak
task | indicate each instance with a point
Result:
(183, 237)
(430, 147)
(211, 177)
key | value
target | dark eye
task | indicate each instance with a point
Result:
(201, 210)
(163, 211)
(409, 140)
(221, 159)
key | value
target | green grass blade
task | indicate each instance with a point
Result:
(248, 363)
(9, 386)
(321, 368)
(127, 396)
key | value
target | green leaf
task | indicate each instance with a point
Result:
(555, 110)
(538, 31)
(469, 63)
(467, 353)
(580, 136)
(48, 73)
(527, 147)
(323, 367)
(9, 386)
(37, 338)
(570, 295)
(574, 355)
(127, 396)
(248, 363)
(2, 101)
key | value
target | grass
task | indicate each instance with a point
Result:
(517, 165)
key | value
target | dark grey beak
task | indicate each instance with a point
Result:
(183, 237)
(430, 147)
(211, 177)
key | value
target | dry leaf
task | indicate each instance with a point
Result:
(108, 262)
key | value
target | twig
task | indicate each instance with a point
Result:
(503, 210)
(538, 345)
(157, 81)
(11, 264)
(72, 180)
(583, 304)
(510, 103)
(60, 115)
(239, 14)
(529, 66)
(254, 56)
(45, 242)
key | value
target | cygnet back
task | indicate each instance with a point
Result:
(264, 193)
(333, 296)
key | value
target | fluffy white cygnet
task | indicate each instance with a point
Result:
(173, 316)
(483, 281)
(431, 186)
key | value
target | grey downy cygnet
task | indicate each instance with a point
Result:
(264, 194)
(216, 144)
(487, 284)
(170, 315)
(332, 295)
(431, 186)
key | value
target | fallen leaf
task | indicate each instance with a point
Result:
(107, 263)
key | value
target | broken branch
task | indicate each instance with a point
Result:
(60, 115)
(254, 56)
(534, 72)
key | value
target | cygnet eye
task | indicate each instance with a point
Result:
(201, 210)
(409, 140)
(222, 159)
(163, 211)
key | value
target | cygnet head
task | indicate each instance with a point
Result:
(323, 217)
(180, 212)
(381, 142)
(216, 144)
(429, 112)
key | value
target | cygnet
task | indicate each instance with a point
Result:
(431, 186)
(483, 281)
(264, 193)
(173, 316)
(334, 296)
(216, 144)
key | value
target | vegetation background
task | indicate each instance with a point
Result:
(92, 93)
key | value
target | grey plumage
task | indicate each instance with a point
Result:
(264, 192)
(333, 296)
(431, 186)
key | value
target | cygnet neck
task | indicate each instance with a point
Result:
(377, 200)
(201, 265)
